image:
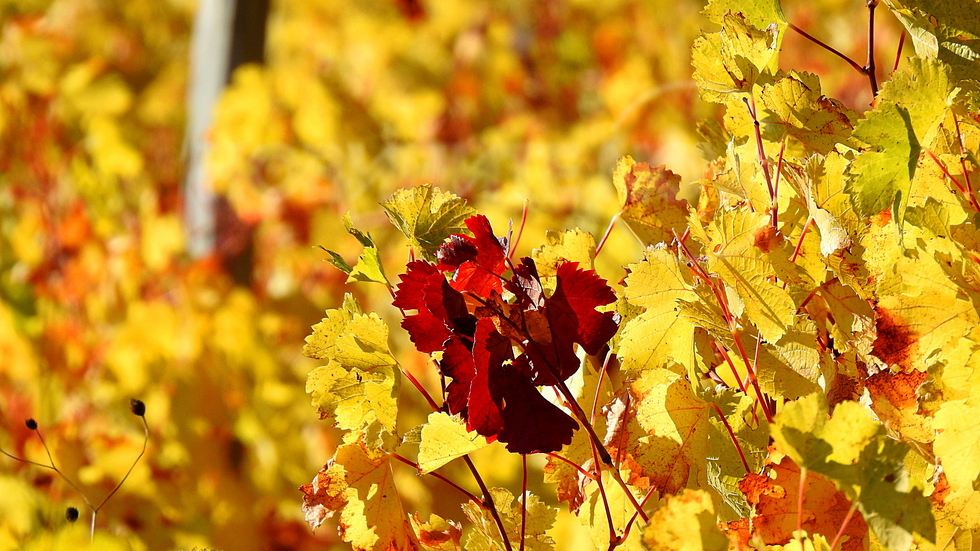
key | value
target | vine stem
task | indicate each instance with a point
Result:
(799, 506)
(523, 500)
(488, 502)
(828, 47)
(577, 467)
(434, 474)
(870, 68)
(731, 434)
(604, 456)
(843, 526)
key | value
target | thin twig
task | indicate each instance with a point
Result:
(488, 502)
(731, 433)
(843, 527)
(605, 236)
(434, 474)
(870, 69)
(898, 54)
(829, 48)
(523, 500)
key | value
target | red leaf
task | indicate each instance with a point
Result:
(478, 261)
(572, 317)
(441, 310)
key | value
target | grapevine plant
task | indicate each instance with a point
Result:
(792, 362)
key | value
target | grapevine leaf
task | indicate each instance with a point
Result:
(486, 536)
(957, 446)
(946, 31)
(571, 482)
(775, 502)
(686, 523)
(593, 514)
(368, 267)
(572, 245)
(444, 438)
(440, 309)
(427, 216)
(477, 262)
(438, 534)
(759, 13)
(661, 434)
(359, 484)
(743, 265)
(358, 386)
(732, 60)
(909, 107)
(853, 450)
(649, 198)
(795, 103)
(658, 335)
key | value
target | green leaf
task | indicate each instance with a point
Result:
(427, 216)
(910, 107)
(853, 450)
(943, 30)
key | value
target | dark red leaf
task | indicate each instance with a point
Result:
(441, 310)
(531, 424)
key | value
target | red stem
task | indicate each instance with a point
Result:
(829, 48)
(760, 150)
(843, 527)
(898, 54)
(731, 434)
(512, 247)
(605, 236)
(462, 490)
(573, 464)
(799, 502)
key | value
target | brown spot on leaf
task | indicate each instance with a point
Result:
(767, 238)
(895, 343)
(899, 389)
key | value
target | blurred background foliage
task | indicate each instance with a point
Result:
(497, 101)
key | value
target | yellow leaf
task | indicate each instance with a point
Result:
(444, 438)
(427, 216)
(686, 523)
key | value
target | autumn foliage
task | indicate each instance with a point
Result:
(771, 341)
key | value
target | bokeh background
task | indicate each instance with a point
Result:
(106, 294)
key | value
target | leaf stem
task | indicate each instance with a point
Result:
(605, 236)
(799, 506)
(434, 474)
(577, 467)
(843, 526)
(827, 47)
(750, 105)
(966, 173)
(512, 245)
(898, 53)
(731, 433)
(488, 502)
